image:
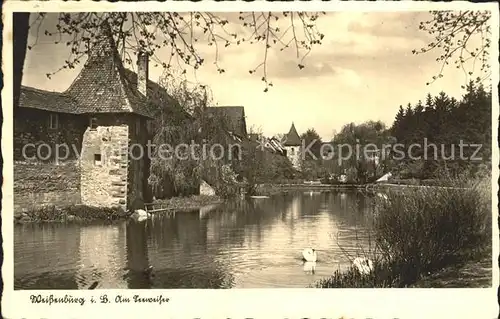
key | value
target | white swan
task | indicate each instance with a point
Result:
(140, 215)
(309, 254)
(363, 265)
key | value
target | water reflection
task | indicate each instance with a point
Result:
(101, 255)
(309, 267)
(242, 243)
(137, 271)
(45, 256)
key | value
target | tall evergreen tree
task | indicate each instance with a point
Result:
(419, 107)
(398, 123)
(429, 103)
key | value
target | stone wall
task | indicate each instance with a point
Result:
(106, 175)
(31, 126)
(122, 176)
(37, 184)
(104, 162)
(45, 178)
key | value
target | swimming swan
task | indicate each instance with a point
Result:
(140, 215)
(363, 265)
(309, 254)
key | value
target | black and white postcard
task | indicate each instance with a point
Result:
(250, 159)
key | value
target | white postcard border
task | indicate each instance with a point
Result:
(245, 303)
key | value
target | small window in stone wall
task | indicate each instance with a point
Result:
(97, 160)
(53, 121)
(93, 123)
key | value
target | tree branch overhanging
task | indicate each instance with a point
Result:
(185, 35)
(453, 32)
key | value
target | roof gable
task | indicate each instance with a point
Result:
(102, 87)
(292, 138)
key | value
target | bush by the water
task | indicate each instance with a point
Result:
(52, 213)
(420, 231)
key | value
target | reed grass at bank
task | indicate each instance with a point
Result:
(419, 232)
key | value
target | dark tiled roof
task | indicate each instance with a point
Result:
(292, 138)
(48, 101)
(101, 86)
(234, 117)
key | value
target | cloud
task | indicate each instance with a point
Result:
(313, 70)
(390, 24)
(290, 69)
(371, 34)
(376, 43)
(349, 77)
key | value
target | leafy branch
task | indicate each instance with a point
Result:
(453, 32)
(183, 35)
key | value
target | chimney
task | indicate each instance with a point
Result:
(142, 72)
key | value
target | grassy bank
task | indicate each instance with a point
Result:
(75, 213)
(473, 274)
(187, 203)
(420, 232)
(82, 213)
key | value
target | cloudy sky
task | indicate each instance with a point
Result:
(363, 71)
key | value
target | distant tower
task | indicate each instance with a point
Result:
(292, 146)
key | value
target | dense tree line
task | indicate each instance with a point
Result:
(446, 122)
(439, 137)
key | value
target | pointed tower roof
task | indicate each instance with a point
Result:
(292, 138)
(102, 85)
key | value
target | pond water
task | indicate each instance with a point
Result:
(241, 244)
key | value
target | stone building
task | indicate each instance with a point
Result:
(88, 145)
(293, 145)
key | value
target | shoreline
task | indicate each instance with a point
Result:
(85, 214)
(475, 273)
(182, 204)
(270, 189)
